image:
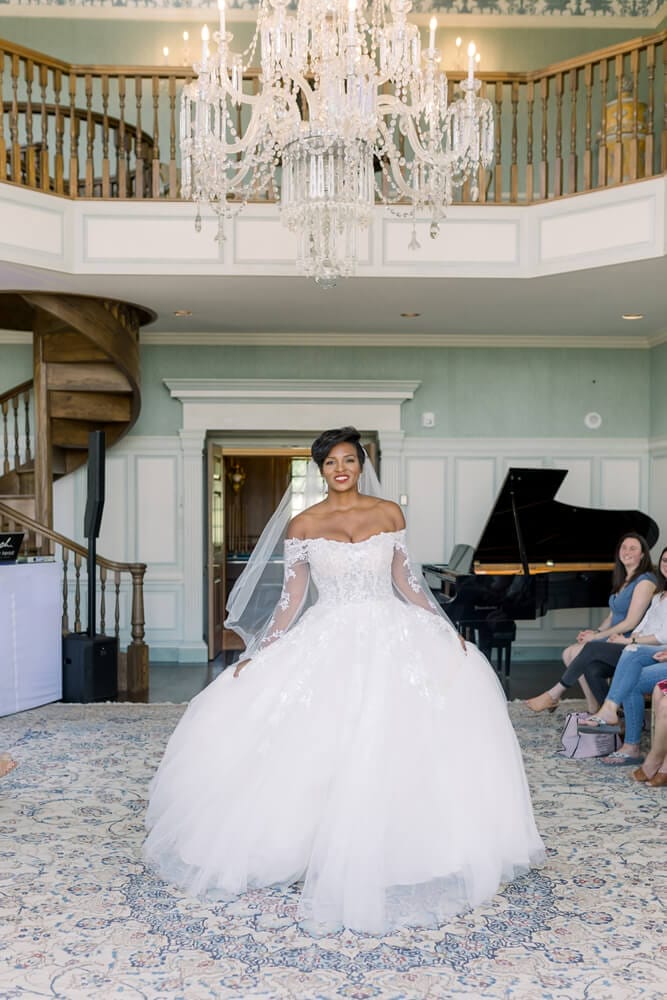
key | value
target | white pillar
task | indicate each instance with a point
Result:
(193, 648)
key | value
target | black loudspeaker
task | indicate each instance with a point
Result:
(93, 516)
(95, 499)
(90, 667)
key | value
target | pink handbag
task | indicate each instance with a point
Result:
(576, 744)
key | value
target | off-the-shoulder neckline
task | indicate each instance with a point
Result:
(337, 541)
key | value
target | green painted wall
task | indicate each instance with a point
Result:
(658, 392)
(487, 393)
(503, 392)
(15, 365)
(128, 42)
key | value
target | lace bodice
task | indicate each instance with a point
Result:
(375, 569)
(349, 572)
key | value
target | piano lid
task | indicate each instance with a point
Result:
(551, 530)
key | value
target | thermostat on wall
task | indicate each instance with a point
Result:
(593, 421)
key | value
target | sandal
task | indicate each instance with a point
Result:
(596, 724)
(620, 759)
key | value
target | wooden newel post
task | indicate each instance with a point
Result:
(137, 651)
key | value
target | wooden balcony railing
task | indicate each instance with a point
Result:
(112, 131)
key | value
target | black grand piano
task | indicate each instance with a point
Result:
(535, 554)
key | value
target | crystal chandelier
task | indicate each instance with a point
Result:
(349, 108)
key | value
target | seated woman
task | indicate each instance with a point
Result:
(654, 769)
(633, 586)
(637, 673)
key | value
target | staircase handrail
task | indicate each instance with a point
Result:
(137, 651)
(69, 543)
(186, 72)
(15, 391)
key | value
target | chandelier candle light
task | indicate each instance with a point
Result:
(349, 108)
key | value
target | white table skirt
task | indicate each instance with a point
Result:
(30, 635)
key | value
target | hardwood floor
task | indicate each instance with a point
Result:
(179, 682)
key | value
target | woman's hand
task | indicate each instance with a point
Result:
(621, 640)
(240, 665)
(661, 655)
(587, 634)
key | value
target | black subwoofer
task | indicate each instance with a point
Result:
(90, 667)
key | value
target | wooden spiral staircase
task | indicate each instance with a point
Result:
(86, 376)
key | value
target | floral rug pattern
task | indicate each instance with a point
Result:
(82, 917)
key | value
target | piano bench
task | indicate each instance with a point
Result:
(490, 638)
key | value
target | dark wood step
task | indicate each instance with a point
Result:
(86, 376)
(94, 406)
(73, 433)
(68, 345)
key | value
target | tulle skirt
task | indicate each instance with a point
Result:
(365, 755)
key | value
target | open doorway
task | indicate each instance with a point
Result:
(245, 483)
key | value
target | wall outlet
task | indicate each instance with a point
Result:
(428, 419)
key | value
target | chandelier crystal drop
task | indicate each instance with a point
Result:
(348, 109)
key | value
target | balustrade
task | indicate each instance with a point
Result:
(133, 661)
(111, 132)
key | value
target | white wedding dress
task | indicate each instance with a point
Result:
(361, 751)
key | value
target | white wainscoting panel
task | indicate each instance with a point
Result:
(156, 509)
(262, 239)
(576, 233)
(577, 487)
(620, 483)
(658, 489)
(474, 490)
(163, 611)
(96, 237)
(471, 240)
(519, 461)
(34, 227)
(425, 513)
(128, 237)
(64, 507)
(113, 533)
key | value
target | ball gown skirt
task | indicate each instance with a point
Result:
(363, 754)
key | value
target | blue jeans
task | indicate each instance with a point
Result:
(636, 674)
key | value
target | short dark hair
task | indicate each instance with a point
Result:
(645, 563)
(327, 440)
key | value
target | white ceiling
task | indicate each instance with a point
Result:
(585, 305)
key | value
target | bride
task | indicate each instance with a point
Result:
(338, 753)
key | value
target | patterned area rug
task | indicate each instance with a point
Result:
(82, 917)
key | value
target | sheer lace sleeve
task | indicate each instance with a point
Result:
(410, 584)
(296, 579)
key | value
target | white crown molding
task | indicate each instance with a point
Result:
(658, 339)
(15, 337)
(406, 340)
(196, 390)
(179, 338)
